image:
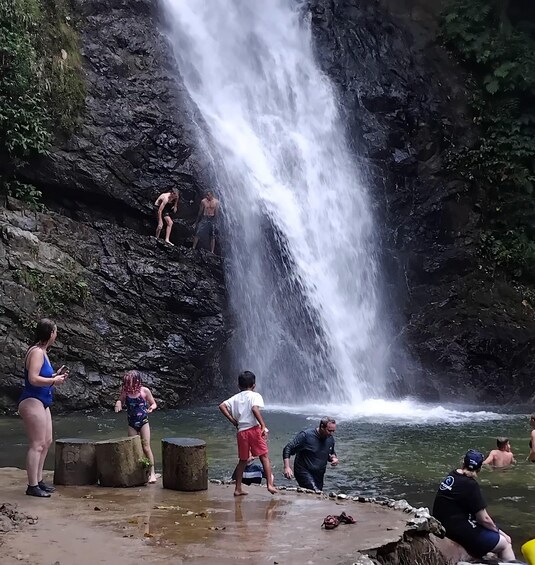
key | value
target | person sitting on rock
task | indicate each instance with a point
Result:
(501, 457)
(460, 507)
(167, 204)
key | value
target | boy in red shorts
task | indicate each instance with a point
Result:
(243, 411)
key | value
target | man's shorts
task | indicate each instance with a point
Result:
(251, 441)
(478, 541)
(207, 225)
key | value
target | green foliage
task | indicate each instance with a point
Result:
(145, 463)
(54, 292)
(23, 118)
(61, 66)
(500, 58)
(41, 88)
(24, 191)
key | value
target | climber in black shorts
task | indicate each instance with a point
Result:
(206, 223)
(167, 204)
(313, 449)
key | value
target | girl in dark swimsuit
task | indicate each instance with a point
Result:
(139, 403)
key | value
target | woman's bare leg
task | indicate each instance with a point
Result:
(48, 443)
(35, 418)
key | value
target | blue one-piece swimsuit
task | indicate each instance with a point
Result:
(42, 393)
(136, 410)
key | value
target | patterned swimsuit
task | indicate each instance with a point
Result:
(136, 410)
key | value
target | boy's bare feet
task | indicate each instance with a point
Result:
(240, 493)
(272, 490)
(167, 241)
(153, 478)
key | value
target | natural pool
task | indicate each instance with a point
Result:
(395, 449)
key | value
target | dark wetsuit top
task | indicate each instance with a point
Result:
(312, 453)
(457, 502)
(42, 393)
(136, 411)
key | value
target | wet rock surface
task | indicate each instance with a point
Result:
(11, 518)
(153, 307)
(194, 527)
(469, 332)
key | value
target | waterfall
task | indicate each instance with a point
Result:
(299, 234)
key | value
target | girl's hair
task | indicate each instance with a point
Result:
(44, 330)
(132, 382)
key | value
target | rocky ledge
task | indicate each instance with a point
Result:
(121, 300)
(160, 525)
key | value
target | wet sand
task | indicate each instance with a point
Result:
(94, 525)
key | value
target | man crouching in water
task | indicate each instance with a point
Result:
(313, 449)
(207, 220)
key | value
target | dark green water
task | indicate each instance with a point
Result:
(399, 450)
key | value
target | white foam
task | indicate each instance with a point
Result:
(403, 412)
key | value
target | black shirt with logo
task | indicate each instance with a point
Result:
(457, 502)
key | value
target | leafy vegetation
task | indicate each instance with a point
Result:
(54, 292)
(145, 463)
(499, 54)
(41, 88)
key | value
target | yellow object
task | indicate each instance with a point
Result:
(528, 551)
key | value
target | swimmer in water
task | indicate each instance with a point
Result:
(531, 456)
(501, 457)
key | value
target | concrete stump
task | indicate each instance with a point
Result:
(121, 462)
(184, 464)
(75, 462)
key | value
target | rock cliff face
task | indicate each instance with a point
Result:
(470, 332)
(150, 306)
(162, 309)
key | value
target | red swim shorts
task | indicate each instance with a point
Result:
(251, 441)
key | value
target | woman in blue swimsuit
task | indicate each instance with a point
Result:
(139, 404)
(34, 404)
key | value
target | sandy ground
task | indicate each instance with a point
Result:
(94, 525)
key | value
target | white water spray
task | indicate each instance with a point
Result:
(301, 271)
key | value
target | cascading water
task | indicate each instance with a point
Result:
(299, 238)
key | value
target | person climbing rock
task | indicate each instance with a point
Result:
(167, 204)
(206, 222)
(313, 449)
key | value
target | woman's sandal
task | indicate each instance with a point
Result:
(330, 522)
(345, 519)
